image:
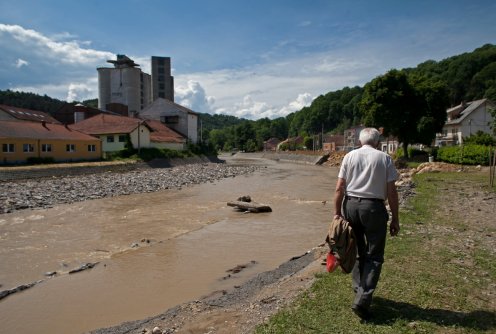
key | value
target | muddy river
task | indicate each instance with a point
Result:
(155, 250)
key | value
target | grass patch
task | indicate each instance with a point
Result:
(430, 282)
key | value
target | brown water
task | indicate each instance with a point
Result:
(194, 238)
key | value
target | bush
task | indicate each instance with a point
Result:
(465, 154)
(480, 138)
(413, 154)
(147, 154)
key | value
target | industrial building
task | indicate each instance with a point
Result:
(126, 84)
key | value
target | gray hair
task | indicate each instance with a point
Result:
(369, 136)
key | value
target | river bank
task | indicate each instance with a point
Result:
(46, 192)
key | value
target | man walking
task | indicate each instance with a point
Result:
(366, 179)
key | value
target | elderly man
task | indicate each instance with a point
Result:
(366, 179)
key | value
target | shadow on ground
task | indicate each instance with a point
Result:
(387, 311)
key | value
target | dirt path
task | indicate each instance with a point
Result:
(246, 306)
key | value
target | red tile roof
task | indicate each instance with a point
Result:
(163, 134)
(107, 124)
(28, 114)
(37, 130)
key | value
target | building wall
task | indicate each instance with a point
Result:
(58, 152)
(128, 86)
(146, 90)
(162, 81)
(170, 146)
(103, 87)
(140, 137)
(193, 128)
(120, 139)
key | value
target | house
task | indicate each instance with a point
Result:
(164, 137)
(22, 114)
(114, 131)
(21, 140)
(351, 138)
(291, 143)
(465, 120)
(333, 142)
(173, 115)
(389, 144)
(271, 144)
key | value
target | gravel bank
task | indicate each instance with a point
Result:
(47, 192)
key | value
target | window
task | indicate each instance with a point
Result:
(162, 95)
(8, 148)
(161, 78)
(26, 148)
(46, 147)
(122, 138)
(70, 148)
(110, 139)
(92, 148)
(161, 86)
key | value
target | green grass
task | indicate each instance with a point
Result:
(424, 286)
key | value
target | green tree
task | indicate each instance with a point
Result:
(412, 110)
(480, 138)
(492, 111)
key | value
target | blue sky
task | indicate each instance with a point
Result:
(251, 59)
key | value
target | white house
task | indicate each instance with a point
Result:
(175, 116)
(465, 120)
(114, 131)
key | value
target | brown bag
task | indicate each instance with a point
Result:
(342, 243)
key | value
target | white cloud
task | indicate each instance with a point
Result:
(303, 100)
(251, 109)
(21, 62)
(79, 92)
(194, 97)
(72, 91)
(67, 51)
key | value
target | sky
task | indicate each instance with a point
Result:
(250, 59)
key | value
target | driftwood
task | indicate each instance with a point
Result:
(250, 206)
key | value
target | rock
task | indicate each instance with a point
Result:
(85, 266)
(156, 330)
(245, 198)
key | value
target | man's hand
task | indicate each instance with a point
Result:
(394, 227)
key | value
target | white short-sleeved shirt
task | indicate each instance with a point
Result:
(367, 172)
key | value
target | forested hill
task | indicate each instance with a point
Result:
(30, 101)
(467, 77)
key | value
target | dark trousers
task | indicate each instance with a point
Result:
(369, 222)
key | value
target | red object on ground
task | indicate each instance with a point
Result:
(331, 262)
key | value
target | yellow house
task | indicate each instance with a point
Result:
(21, 140)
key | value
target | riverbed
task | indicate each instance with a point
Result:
(156, 250)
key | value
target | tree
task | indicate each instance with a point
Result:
(411, 109)
(492, 111)
(480, 138)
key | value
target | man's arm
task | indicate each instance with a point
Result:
(338, 196)
(392, 195)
